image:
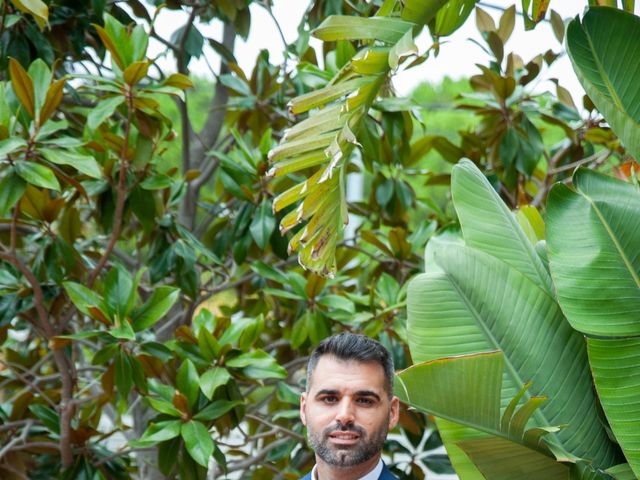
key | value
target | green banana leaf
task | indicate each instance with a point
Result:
(478, 303)
(605, 51)
(452, 434)
(488, 224)
(500, 459)
(593, 238)
(443, 387)
(614, 363)
(474, 301)
(622, 472)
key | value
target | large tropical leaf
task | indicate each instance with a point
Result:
(593, 237)
(477, 301)
(443, 387)
(614, 363)
(489, 225)
(607, 62)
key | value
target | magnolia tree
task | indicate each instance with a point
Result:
(154, 320)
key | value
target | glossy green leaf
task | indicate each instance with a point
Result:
(123, 374)
(119, 292)
(198, 441)
(83, 163)
(156, 307)
(216, 409)
(163, 406)
(262, 225)
(452, 15)
(11, 145)
(607, 62)
(84, 298)
(12, 187)
(188, 381)
(257, 364)
(342, 27)
(615, 364)
(102, 111)
(160, 432)
(593, 240)
(48, 416)
(212, 379)
(123, 331)
(421, 11)
(38, 175)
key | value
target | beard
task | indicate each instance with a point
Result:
(347, 456)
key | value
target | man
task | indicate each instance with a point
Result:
(348, 408)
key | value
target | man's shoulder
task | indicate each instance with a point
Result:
(386, 474)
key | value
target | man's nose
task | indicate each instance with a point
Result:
(345, 414)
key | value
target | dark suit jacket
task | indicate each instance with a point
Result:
(385, 475)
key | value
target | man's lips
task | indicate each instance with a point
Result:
(344, 438)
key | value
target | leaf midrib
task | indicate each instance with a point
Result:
(614, 239)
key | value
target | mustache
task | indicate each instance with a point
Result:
(338, 427)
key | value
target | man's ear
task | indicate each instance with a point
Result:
(394, 414)
(303, 401)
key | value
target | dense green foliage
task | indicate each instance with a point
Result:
(154, 322)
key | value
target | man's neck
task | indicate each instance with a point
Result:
(325, 471)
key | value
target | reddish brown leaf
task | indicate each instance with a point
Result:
(22, 85)
(52, 100)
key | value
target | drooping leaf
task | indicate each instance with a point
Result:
(606, 62)
(342, 27)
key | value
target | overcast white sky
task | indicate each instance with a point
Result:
(457, 57)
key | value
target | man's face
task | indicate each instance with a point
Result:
(347, 411)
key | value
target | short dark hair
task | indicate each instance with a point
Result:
(352, 346)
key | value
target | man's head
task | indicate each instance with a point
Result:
(348, 406)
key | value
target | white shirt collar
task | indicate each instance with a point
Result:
(372, 475)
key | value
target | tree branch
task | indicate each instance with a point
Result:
(205, 139)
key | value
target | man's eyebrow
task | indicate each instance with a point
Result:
(327, 391)
(367, 393)
(359, 393)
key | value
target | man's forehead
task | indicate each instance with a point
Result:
(334, 371)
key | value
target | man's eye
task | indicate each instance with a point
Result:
(329, 399)
(365, 401)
